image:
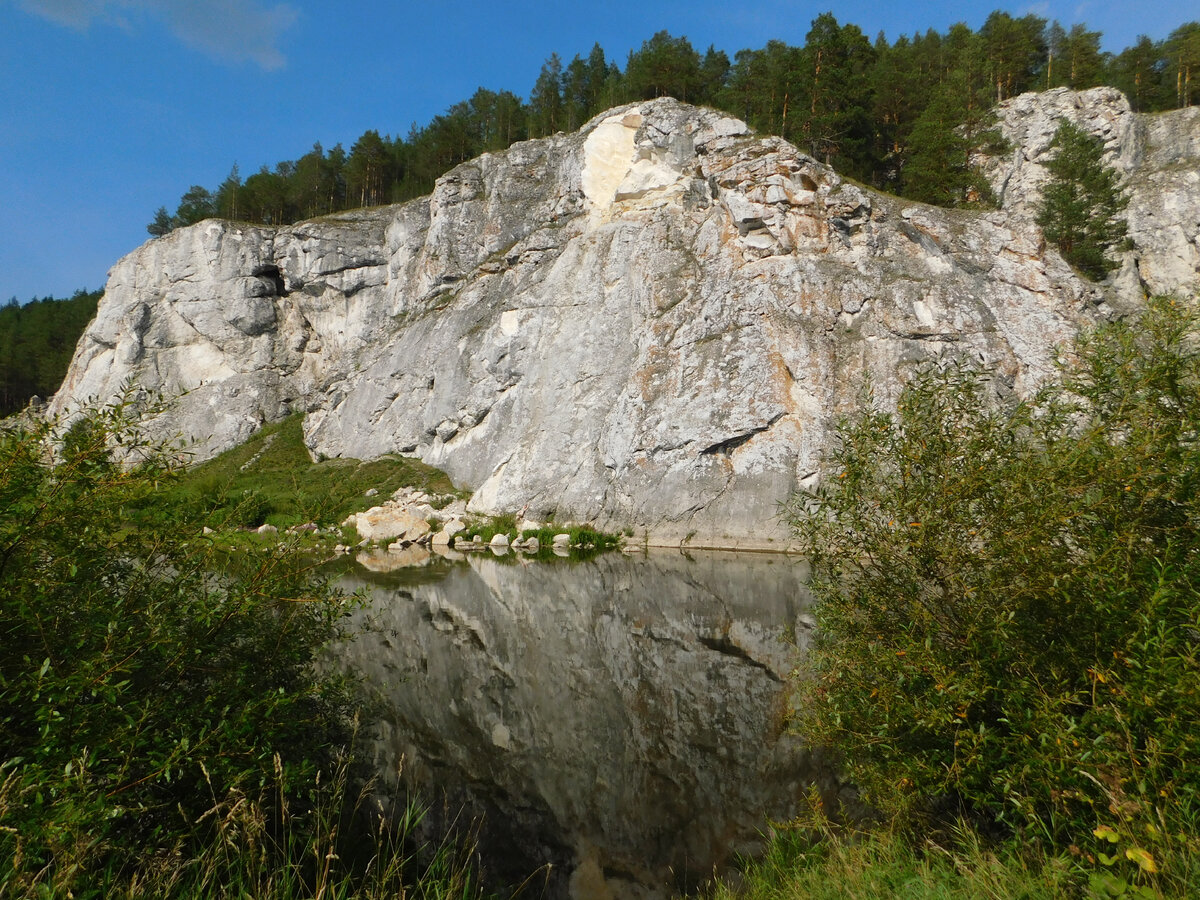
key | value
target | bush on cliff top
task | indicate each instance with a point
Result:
(1009, 611)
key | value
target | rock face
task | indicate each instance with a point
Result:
(1158, 155)
(652, 322)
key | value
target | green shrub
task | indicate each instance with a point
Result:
(586, 542)
(140, 682)
(1008, 611)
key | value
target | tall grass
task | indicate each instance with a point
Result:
(167, 728)
(884, 865)
(802, 863)
(338, 845)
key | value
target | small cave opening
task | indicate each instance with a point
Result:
(807, 182)
(272, 275)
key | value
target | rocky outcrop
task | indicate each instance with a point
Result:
(652, 322)
(405, 517)
(1158, 155)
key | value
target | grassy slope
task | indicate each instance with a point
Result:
(272, 479)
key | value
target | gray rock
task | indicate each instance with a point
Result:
(453, 510)
(384, 523)
(1158, 157)
(653, 322)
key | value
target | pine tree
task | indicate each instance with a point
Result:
(714, 69)
(1138, 73)
(162, 224)
(834, 123)
(1082, 204)
(546, 114)
(196, 205)
(1014, 49)
(938, 166)
(365, 169)
(226, 195)
(1183, 54)
(666, 66)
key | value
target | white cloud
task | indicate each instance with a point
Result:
(231, 30)
(75, 13)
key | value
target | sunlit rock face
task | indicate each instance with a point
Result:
(653, 322)
(1157, 155)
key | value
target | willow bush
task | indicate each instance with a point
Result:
(141, 683)
(1008, 612)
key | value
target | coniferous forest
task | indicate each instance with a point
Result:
(901, 116)
(37, 341)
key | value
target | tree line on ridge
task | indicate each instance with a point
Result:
(901, 116)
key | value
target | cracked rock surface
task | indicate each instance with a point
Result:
(653, 322)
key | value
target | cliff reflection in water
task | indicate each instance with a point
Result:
(620, 719)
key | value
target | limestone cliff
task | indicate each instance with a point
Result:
(652, 322)
(1158, 156)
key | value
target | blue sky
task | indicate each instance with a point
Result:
(112, 108)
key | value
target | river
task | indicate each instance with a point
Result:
(617, 726)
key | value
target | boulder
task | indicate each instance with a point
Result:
(388, 522)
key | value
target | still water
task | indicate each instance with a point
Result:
(617, 725)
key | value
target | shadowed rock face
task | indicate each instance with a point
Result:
(620, 719)
(652, 322)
